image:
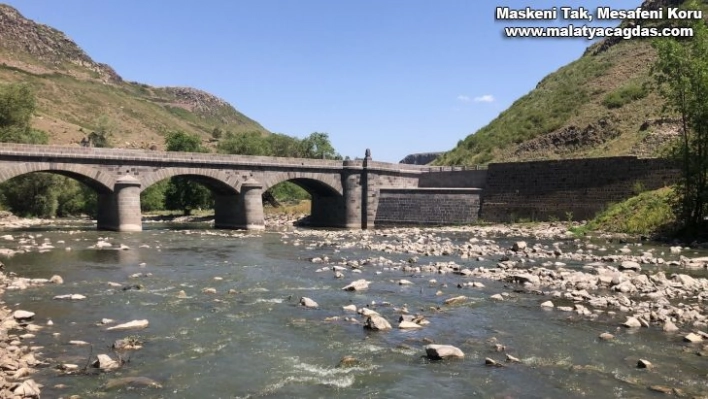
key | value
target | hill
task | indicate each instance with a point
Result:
(602, 104)
(76, 95)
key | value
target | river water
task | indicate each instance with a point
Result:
(257, 342)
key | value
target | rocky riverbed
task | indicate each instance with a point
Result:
(18, 359)
(637, 287)
(625, 286)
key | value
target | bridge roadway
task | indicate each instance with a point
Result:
(344, 193)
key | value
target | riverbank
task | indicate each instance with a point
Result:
(19, 359)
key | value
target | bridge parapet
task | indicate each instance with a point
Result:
(104, 155)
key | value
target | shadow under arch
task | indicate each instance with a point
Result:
(327, 208)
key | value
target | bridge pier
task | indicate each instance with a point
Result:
(352, 175)
(120, 210)
(240, 211)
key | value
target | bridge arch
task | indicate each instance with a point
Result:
(215, 180)
(98, 180)
(327, 207)
(314, 183)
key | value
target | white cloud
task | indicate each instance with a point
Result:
(487, 98)
(463, 98)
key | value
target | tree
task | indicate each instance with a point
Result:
(183, 142)
(181, 193)
(317, 145)
(681, 72)
(17, 106)
(249, 143)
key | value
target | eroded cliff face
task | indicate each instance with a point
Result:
(31, 46)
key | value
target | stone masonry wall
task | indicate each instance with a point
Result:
(454, 178)
(427, 206)
(579, 188)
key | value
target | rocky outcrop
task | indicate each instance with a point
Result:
(569, 139)
(422, 158)
(47, 45)
(194, 99)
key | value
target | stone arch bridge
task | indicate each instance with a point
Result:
(344, 193)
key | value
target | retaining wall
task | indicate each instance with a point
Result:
(427, 206)
(579, 188)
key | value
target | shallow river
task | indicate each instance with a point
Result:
(258, 342)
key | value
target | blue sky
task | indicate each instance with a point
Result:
(396, 76)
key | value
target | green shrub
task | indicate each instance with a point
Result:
(625, 95)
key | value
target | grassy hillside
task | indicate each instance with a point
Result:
(75, 94)
(602, 104)
(646, 213)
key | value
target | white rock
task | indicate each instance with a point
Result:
(630, 265)
(131, 325)
(366, 312)
(73, 297)
(308, 303)
(519, 246)
(693, 338)
(357, 285)
(104, 362)
(377, 322)
(409, 325)
(27, 389)
(632, 323)
(22, 315)
(437, 352)
(455, 300)
(349, 308)
(670, 326)
(547, 304)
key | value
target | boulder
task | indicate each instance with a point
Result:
(669, 326)
(632, 323)
(630, 265)
(308, 303)
(644, 364)
(104, 362)
(693, 338)
(131, 325)
(357, 285)
(455, 300)
(438, 352)
(409, 325)
(519, 246)
(377, 323)
(27, 389)
(22, 315)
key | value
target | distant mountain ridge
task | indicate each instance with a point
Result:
(603, 104)
(74, 91)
